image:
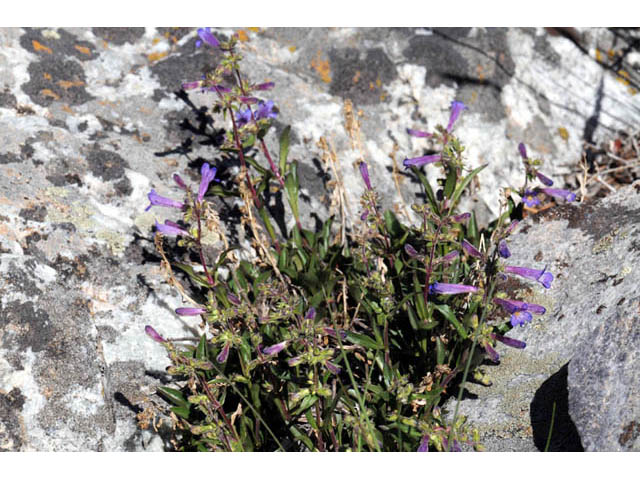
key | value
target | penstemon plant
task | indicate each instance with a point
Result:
(319, 344)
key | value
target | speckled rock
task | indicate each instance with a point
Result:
(581, 355)
(92, 119)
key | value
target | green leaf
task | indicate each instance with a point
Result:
(394, 227)
(181, 411)
(301, 437)
(431, 198)
(449, 315)
(364, 341)
(307, 402)
(264, 215)
(284, 149)
(462, 185)
(450, 183)
(196, 277)
(472, 228)
(292, 186)
(174, 396)
(201, 349)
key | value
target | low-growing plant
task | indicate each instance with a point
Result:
(334, 342)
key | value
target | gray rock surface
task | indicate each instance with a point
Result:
(582, 354)
(90, 121)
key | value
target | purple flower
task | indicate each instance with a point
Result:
(207, 37)
(461, 218)
(364, 215)
(557, 192)
(541, 276)
(156, 199)
(419, 161)
(243, 116)
(470, 249)
(424, 444)
(530, 198)
(266, 110)
(523, 150)
(218, 89)
(364, 171)
(514, 305)
(491, 352)
(264, 86)
(233, 299)
(224, 353)
(208, 174)
(191, 85)
(274, 349)
(418, 133)
(547, 181)
(332, 368)
(190, 311)
(248, 100)
(456, 109)
(513, 225)
(511, 342)
(294, 361)
(178, 179)
(412, 252)
(332, 332)
(503, 249)
(149, 330)
(450, 256)
(170, 228)
(451, 288)
(311, 314)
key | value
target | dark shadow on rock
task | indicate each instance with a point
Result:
(564, 436)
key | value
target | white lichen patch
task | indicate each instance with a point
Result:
(85, 401)
(45, 273)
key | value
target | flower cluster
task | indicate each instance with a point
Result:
(531, 197)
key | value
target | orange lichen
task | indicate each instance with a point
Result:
(66, 108)
(356, 77)
(322, 67)
(46, 76)
(66, 84)
(598, 55)
(292, 48)
(38, 47)
(564, 134)
(154, 57)
(254, 29)
(82, 49)
(46, 92)
(156, 40)
(242, 36)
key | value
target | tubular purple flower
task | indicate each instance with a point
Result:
(419, 161)
(332, 332)
(519, 318)
(511, 342)
(248, 100)
(456, 109)
(560, 193)
(461, 218)
(523, 150)
(503, 249)
(274, 349)
(418, 133)
(515, 305)
(233, 299)
(451, 288)
(424, 444)
(412, 252)
(364, 171)
(264, 86)
(190, 311)
(541, 276)
(513, 225)
(491, 352)
(243, 117)
(364, 215)
(311, 314)
(224, 353)
(170, 229)
(547, 181)
(450, 256)
(149, 330)
(161, 201)
(530, 198)
(207, 37)
(208, 174)
(178, 179)
(266, 110)
(332, 368)
(219, 89)
(191, 85)
(294, 361)
(470, 249)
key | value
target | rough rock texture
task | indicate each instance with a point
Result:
(583, 353)
(92, 119)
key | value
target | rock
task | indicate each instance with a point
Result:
(92, 119)
(579, 355)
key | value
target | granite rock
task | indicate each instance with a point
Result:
(92, 119)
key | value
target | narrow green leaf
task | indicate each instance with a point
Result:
(449, 315)
(284, 149)
(201, 349)
(363, 341)
(462, 185)
(450, 183)
(181, 411)
(431, 198)
(174, 396)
